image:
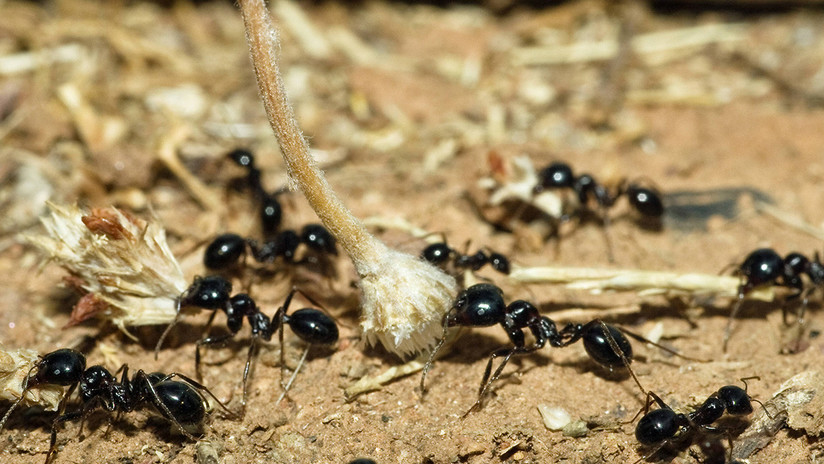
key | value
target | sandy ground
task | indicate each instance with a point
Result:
(405, 104)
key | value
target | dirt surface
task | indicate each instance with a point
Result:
(405, 104)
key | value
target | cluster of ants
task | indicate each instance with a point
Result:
(179, 398)
(182, 400)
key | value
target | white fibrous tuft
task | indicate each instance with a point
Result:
(15, 366)
(123, 262)
(516, 182)
(404, 302)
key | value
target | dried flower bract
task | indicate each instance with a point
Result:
(121, 260)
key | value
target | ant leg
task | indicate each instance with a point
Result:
(650, 398)
(281, 315)
(26, 387)
(661, 347)
(607, 238)
(208, 341)
(53, 439)
(653, 452)
(507, 353)
(168, 327)
(735, 310)
(799, 319)
(294, 374)
(617, 350)
(141, 376)
(252, 350)
(485, 381)
(434, 353)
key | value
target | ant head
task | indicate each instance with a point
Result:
(437, 253)
(735, 399)
(480, 305)
(271, 214)
(242, 157)
(556, 175)
(316, 237)
(499, 262)
(62, 367)
(211, 292)
(761, 266)
(285, 244)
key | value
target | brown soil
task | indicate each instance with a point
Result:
(405, 103)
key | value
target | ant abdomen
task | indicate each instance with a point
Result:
(313, 326)
(656, 426)
(599, 347)
(185, 404)
(224, 252)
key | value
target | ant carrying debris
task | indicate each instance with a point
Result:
(482, 305)
(663, 426)
(559, 175)
(765, 266)
(441, 253)
(212, 293)
(182, 403)
(644, 200)
(227, 251)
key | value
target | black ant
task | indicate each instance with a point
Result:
(212, 293)
(227, 250)
(182, 403)
(662, 426)
(440, 254)
(645, 200)
(765, 266)
(271, 212)
(482, 305)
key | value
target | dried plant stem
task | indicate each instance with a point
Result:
(645, 282)
(792, 220)
(302, 169)
(375, 382)
(404, 298)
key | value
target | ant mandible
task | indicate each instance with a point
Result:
(182, 403)
(660, 427)
(482, 305)
(644, 200)
(765, 266)
(212, 293)
(441, 253)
